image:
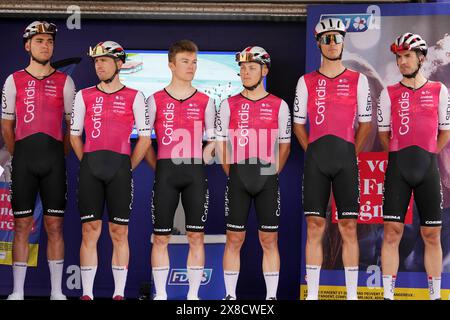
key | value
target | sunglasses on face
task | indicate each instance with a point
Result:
(337, 38)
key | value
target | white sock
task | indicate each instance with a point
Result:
(160, 275)
(56, 270)
(195, 275)
(312, 281)
(434, 287)
(351, 282)
(19, 273)
(389, 286)
(271, 279)
(87, 280)
(120, 279)
(231, 278)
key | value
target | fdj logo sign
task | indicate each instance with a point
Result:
(359, 22)
(179, 277)
(353, 22)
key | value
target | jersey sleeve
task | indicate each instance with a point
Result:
(141, 115)
(364, 100)
(151, 106)
(69, 95)
(444, 109)
(284, 124)
(384, 112)
(301, 102)
(77, 116)
(9, 99)
(210, 116)
(222, 121)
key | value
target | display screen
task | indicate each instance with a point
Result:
(216, 75)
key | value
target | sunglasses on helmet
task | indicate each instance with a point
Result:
(46, 28)
(245, 57)
(395, 48)
(98, 50)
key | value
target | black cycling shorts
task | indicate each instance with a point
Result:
(187, 178)
(413, 169)
(331, 162)
(38, 165)
(246, 182)
(105, 175)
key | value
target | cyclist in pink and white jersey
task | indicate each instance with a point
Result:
(35, 103)
(253, 132)
(331, 98)
(107, 113)
(180, 115)
(414, 125)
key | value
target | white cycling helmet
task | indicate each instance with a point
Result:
(329, 24)
(409, 41)
(109, 49)
(254, 54)
(39, 27)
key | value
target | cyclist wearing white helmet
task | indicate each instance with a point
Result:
(35, 101)
(413, 126)
(253, 132)
(335, 29)
(331, 98)
(107, 113)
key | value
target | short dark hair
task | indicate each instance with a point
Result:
(181, 46)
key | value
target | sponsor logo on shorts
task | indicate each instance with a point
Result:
(277, 213)
(229, 225)
(269, 227)
(346, 213)
(163, 230)
(19, 213)
(433, 222)
(392, 217)
(205, 205)
(194, 227)
(227, 201)
(55, 211)
(312, 213)
(153, 206)
(121, 219)
(90, 216)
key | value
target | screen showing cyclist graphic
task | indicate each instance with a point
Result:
(216, 75)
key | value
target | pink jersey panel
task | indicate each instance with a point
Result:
(253, 128)
(39, 104)
(109, 119)
(414, 116)
(332, 105)
(179, 125)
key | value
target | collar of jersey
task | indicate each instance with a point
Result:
(268, 94)
(181, 100)
(96, 86)
(412, 89)
(45, 77)
(331, 78)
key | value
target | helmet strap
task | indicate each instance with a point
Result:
(107, 81)
(253, 87)
(331, 59)
(41, 62)
(414, 74)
